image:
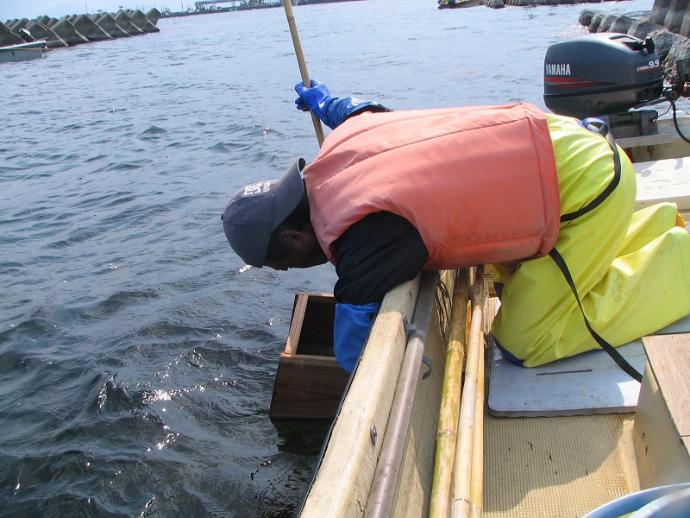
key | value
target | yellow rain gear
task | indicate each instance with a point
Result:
(631, 269)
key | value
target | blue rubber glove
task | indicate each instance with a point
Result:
(331, 110)
(351, 331)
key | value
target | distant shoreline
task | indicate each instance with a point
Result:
(248, 7)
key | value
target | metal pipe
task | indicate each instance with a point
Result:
(382, 495)
(383, 490)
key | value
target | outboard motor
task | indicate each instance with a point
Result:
(601, 74)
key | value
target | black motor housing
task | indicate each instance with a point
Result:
(601, 73)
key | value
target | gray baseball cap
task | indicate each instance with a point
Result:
(255, 211)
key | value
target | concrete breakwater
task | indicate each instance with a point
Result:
(667, 24)
(79, 28)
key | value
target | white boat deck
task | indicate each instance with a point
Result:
(590, 383)
(664, 180)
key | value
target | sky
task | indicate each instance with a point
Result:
(33, 8)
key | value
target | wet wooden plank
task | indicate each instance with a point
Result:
(307, 387)
(309, 382)
(298, 313)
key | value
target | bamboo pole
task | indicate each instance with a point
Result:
(462, 476)
(477, 483)
(302, 63)
(446, 435)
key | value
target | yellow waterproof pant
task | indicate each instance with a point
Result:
(631, 269)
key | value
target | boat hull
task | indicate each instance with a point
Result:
(547, 465)
(23, 51)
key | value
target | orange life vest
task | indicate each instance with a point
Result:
(479, 184)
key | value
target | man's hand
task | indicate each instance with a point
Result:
(331, 110)
(312, 98)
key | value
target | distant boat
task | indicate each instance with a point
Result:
(22, 51)
(452, 4)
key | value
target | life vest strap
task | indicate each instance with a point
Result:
(600, 127)
(612, 352)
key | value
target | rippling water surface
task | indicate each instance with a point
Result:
(137, 354)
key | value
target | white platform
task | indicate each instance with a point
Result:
(590, 383)
(664, 180)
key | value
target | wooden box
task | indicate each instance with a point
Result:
(309, 383)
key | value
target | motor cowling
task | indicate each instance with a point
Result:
(599, 74)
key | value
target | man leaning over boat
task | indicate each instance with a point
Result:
(548, 200)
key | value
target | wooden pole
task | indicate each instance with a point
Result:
(477, 483)
(446, 435)
(462, 475)
(301, 62)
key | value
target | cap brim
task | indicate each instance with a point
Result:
(289, 192)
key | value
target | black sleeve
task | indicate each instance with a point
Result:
(373, 108)
(375, 255)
